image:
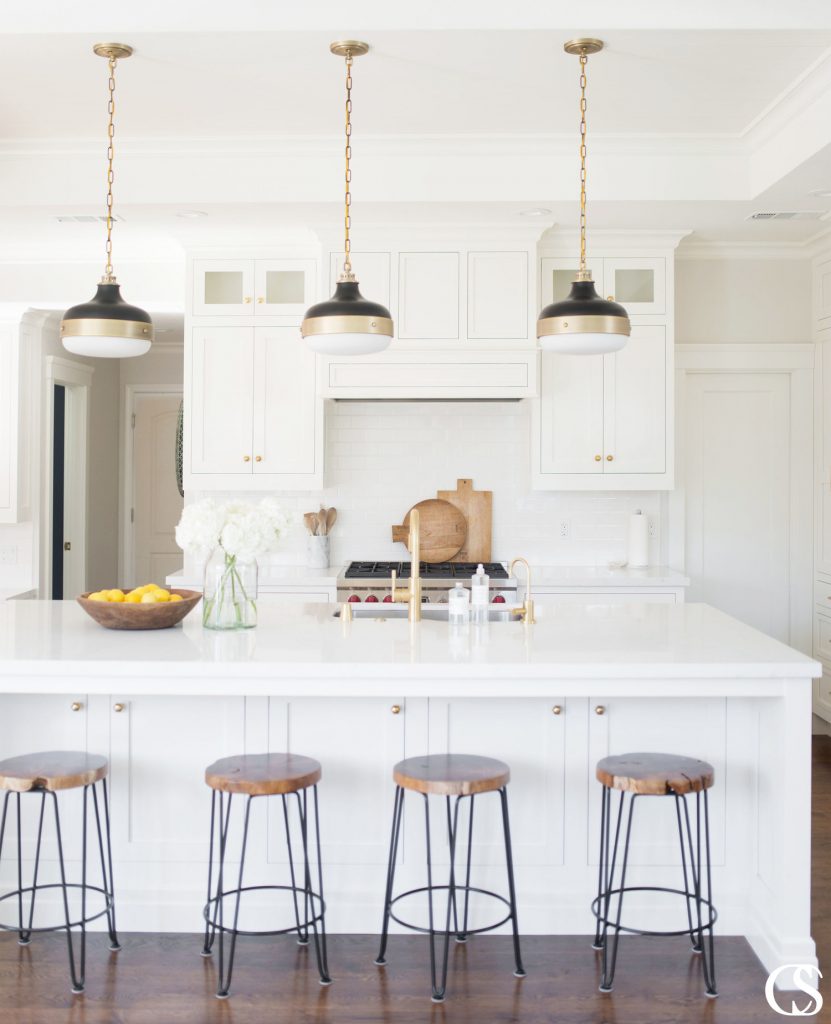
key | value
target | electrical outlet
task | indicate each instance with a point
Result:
(653, 528)
(8, 554)
(565, 527)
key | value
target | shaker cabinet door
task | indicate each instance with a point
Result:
(222, 388)
(635, 396)
(571, 414)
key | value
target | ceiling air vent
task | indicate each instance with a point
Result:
(85, 218)
(788, 215)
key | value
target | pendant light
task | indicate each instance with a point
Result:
(347, 324)
(107, 325)
(583, 323)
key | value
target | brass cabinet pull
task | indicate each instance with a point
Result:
(258, 458)
(610, 458)
(556, 710)
(76, 705)
(598, 458)
(260, 299)
(247, 299)
(118, 708)
(600, 710)
(396, 709)
(246, 458)
(611, 298)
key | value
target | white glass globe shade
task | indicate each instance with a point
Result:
(583, 344)
(347, 344)
(106, 347)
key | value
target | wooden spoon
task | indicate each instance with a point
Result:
(331, 516)
(321, 522)
(310, 519)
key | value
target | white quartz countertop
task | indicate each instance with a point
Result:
(601, 576)
(53, 646)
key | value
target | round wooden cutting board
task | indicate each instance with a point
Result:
(443, 530)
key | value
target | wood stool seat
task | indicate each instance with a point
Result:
(263, 774)
(52, 770)
(452, 774)
(655, 774)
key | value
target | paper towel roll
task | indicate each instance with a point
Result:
(638, 540)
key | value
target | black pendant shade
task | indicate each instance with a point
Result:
(583, 322)
(347, 323)
(107, 326)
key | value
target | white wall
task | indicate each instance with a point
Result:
(383, 457)
(742, 300)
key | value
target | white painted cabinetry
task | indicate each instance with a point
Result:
(822, 482)
(607, 422)
(15, 398)
(253, 418)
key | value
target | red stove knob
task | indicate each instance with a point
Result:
(371, 598)
(499, 599)
(387, 599)
(353, 598)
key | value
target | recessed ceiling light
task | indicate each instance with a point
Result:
(537, 211)
(821, 193)
(191, 214)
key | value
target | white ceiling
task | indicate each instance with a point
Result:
(464, 112)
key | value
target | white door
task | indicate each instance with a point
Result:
(635, 389)
(571, 414)
(737, 439)
(286, 421)
(157, 504)
(222, 407)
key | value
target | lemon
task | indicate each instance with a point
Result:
(115, 595)
(175, 597)
(97, 596)
(149, 599)
(132, 598)
(152, 586)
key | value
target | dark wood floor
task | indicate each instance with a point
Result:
(161, 979)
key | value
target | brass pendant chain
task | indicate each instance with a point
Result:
(583, 274)
(108, 277)
(347, 220)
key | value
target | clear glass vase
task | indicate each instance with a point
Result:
(229, 597)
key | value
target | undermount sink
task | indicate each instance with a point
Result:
(435, 612)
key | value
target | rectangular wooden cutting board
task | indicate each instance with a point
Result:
(476, 507)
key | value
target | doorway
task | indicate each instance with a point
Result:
(155, 504)
(58, 470)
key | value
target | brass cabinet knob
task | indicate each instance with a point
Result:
(396, 709)
(610, 458)
(600, 710)
(556, 710)
(260, 299)
(76, 705)
(118, 708)
(247, 299)
(246, 458)
(598, 458)
(611, 298)
(258, 458)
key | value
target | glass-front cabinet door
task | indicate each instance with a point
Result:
(284, 287)
(637, 283)
(557, 275)
(223, 287)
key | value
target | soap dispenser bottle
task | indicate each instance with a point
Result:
(458, 606)
(479, 594)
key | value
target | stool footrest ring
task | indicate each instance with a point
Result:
(705, 925)
(456, 889)
(313, 897)
(109, 903)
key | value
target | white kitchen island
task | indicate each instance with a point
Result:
(550, 699)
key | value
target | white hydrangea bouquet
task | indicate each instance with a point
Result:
(230, 537)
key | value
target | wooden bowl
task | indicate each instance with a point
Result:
(118, 615)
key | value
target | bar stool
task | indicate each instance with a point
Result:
(667, 775)
(256, 775)
(47, 774)
(461, 776)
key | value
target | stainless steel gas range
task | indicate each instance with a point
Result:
(370, 581)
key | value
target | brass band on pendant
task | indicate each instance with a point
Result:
(94, 327)
(347, 325)
(549, 325)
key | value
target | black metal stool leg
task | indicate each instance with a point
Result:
(308, 902)
(610, 961)
(219, 905)
(439, 983)
(397, 813)
(302, 928)
(696, 946)
(461, 936)
(519, 971)
(709, 957)
(323, 955)
(608, 870)
(224, 983)
(106, 864)
(209, 934)
(602, 858)
(24, 938)
(77, 979)
(708, 961)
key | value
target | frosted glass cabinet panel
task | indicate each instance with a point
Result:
(637, 283)
(277, 288)
(223, 287)
(557, 275)
(284, 287)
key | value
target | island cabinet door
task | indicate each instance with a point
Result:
(694, 727)
(528, 735)
(160, 747)
(357, 741)
(29, 723)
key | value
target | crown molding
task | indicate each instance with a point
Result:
(560, 242)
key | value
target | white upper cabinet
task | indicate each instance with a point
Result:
(246, 287)
(429, 299)
(497, 295)
(607, 422)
